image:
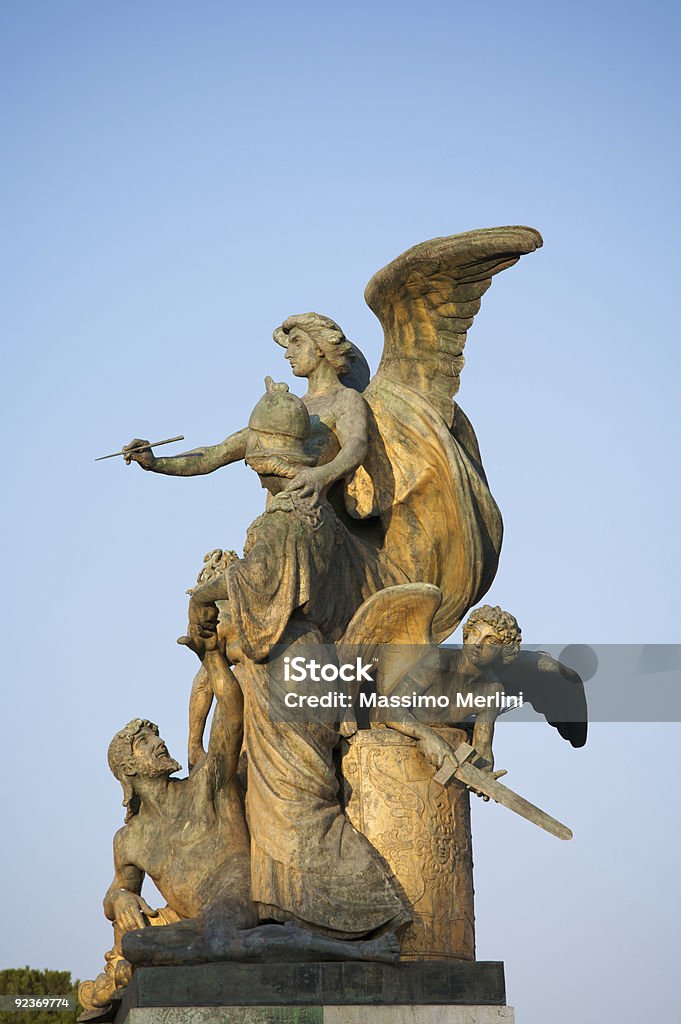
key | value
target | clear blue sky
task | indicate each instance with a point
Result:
(178, 178)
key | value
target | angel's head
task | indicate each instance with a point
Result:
(490, 634)
(310, 338)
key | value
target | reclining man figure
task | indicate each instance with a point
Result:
(190, 836)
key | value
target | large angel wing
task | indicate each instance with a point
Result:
(427, 298)
(552, 688)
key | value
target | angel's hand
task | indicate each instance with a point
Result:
(487, 757)
(144, 458)
(308, 484)
(435, 749)
(495, 775)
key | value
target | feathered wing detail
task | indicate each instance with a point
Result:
(395, 615)
(552, 688)
(391, 627)
(423, 476)
(427, 299)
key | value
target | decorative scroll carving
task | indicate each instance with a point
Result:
(422, 830)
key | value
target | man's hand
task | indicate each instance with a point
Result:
(308, 483)
(145, 458)
(202, 632)
(130, 910)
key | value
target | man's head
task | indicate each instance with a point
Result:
(138, 750)
(491, 634)
(278, 429)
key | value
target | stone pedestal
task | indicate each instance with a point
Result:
(422, 830)
(323, 1015)
(424, 992)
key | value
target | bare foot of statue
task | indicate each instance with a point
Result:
(386, 949)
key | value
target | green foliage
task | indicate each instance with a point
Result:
(26, 981)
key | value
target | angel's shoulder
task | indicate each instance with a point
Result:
(350, 402)
(489, 684)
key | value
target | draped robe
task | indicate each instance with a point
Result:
(297, 586)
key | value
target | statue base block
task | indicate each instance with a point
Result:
(323, 1015)
(417, 992)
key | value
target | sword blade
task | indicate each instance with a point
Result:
(485, 783)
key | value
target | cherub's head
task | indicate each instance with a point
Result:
(137, 750)
(490, 634)
(310, 338)
(277, 432)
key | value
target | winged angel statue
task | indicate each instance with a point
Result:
(379, 529)
(396, 453)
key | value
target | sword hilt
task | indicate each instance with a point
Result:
(464, 752)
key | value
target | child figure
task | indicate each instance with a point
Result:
(201, 699)
(491, 639)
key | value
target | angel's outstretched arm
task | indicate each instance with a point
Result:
(199, 461)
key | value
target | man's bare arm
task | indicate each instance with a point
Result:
(197, 462)
(227, 735)
(227, 731)
(123, 902)
(200, 703)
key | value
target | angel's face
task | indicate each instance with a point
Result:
(302, 354)
(483, 646)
